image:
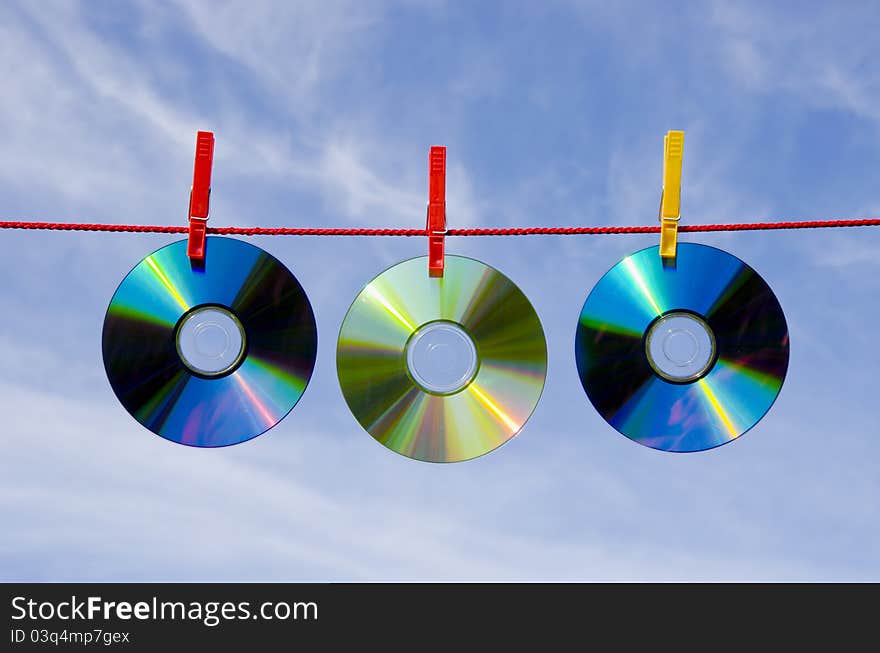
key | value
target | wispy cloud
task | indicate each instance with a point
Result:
(241, 518)
(769, 49)
(110, 87)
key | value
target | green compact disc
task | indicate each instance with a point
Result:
(442, 369)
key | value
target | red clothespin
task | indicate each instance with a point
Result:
(199, 197)
(436, 225)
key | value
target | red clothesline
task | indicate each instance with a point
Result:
(512, 231)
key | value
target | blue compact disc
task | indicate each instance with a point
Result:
(685, 357)
(214, 356)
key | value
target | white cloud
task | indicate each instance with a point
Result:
(89, 91)
(819, 53)
(139, 511)
(296, 49)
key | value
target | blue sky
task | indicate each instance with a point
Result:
(553, 114)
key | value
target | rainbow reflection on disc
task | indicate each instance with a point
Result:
(441, 369)
(682, 358)
(209, 357)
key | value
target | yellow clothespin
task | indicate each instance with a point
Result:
(670, 199)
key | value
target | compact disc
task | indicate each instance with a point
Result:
(213, 356)
(685, 357)
(441, 369)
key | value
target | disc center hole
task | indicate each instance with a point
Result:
(210, 341)
(680, 347)
(441, 357)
